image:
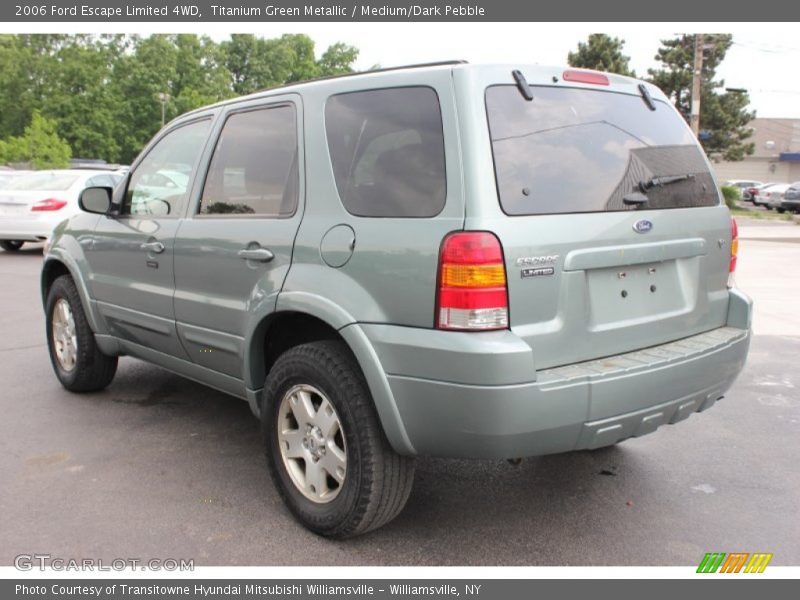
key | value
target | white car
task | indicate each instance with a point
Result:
(743, 185)
(774, 196)
(32, 205)
(8, 175)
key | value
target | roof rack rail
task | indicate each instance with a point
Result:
(442, 63)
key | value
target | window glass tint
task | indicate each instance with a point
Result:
(576, 150)
(160, 184)
(254, 168)
(387, 151)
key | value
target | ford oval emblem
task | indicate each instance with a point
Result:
(642, 226)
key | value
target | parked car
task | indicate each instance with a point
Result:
(8, 175)
(447, 260)
(774, 196)
(755, 194)
(791, 198)
(744, 185)
(32, 204)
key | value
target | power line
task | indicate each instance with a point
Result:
(768, 48)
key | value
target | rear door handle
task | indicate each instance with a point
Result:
(154, 247)
(259, 254)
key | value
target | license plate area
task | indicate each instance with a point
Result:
(626, 295)
(12, 209)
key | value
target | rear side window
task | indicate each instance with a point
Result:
(574, 150)
(387, 151)
(254, 168)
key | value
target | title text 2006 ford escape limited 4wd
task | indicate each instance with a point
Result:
(447, 260)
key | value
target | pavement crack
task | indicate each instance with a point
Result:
(22, 347)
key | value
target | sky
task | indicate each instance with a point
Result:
(763, 60)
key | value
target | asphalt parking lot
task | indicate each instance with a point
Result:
(159, 467)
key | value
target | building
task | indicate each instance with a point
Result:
(776, 157)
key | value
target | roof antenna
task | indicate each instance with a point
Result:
(648, 99)
(522, 85)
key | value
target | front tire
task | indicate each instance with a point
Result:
(77, 361)
(326, 450)
(11, 245)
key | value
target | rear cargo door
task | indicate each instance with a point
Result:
(614, 235)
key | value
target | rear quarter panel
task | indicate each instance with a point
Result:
(391, 276)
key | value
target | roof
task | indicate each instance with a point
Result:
(305, 82)
(554, 71)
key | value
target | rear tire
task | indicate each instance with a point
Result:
(781, 210)
(77, 361)
(305, 384)
(11, 245)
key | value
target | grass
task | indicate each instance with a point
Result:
(761, 214)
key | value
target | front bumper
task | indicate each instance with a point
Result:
(585, 405)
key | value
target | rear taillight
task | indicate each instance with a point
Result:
(734, 245)
(48, 205)
(472, 292)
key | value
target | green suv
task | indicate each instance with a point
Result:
(444, 260)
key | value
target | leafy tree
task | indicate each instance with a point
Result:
(40, 145)
(255, 63)
(603, 53)
(103, 92)
(338, 59)
(724, 116)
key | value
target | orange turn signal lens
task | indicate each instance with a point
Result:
(458, 275)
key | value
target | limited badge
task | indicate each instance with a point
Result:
(538, 272)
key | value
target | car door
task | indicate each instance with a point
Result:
(131, 253)
(234, 249)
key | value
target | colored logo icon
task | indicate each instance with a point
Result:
(735, 562)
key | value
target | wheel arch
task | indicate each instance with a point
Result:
(293, 324)
(58, 265)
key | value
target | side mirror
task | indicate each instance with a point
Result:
(95, 200)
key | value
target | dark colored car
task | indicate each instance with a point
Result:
(791, 198)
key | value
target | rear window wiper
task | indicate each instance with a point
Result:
(664, 180)
(639, 198)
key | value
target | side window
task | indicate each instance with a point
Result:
(387, 151)
(254, 167)
(160, 184)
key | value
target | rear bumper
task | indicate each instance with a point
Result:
(791, 204)
(28, 229)
(585, 405)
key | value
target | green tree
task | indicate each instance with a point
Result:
(724, 116)
(78, 96)
(603, 53)
(256, 63)
(39, 145)
(104, 91)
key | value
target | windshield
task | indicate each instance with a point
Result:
(574, 150)
(43, 181)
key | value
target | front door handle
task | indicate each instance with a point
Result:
(154, 247)
(259, 254)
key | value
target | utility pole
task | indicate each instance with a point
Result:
(697, 79)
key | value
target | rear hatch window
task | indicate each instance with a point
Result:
(573, 150)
